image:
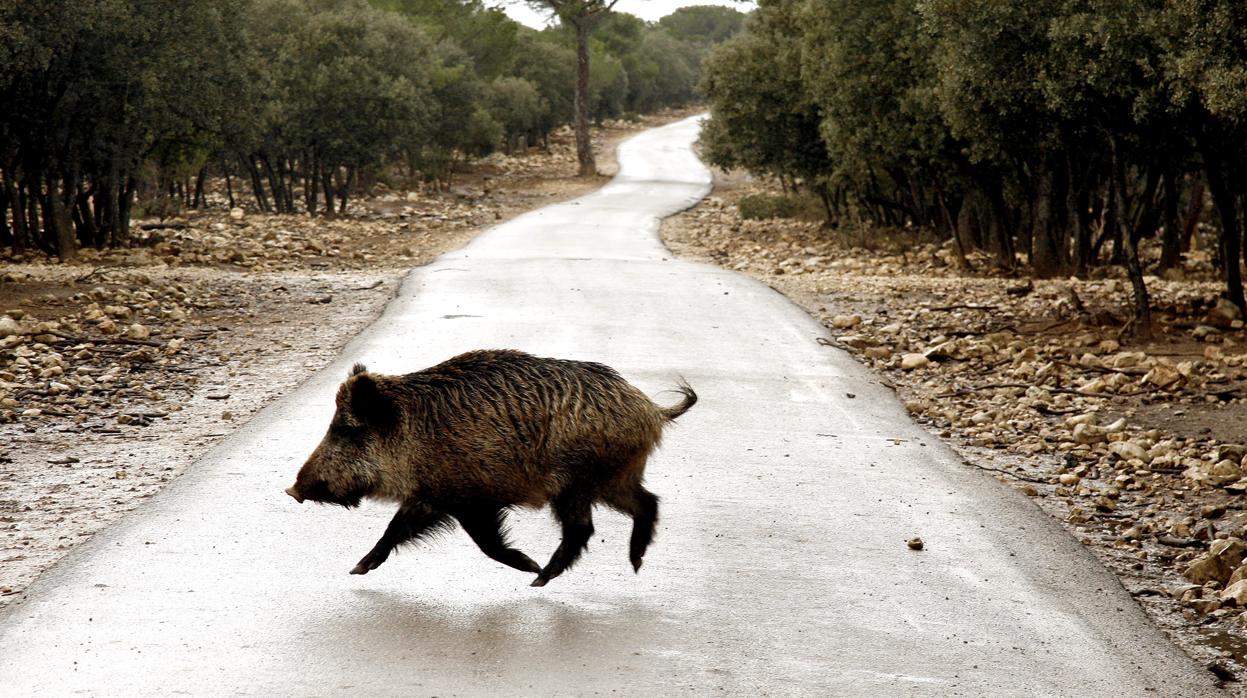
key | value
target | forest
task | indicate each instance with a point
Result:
(1056, 135)
(114, 108)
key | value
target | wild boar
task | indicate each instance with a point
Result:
(486, 431)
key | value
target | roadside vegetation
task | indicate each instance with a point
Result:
(1057, 135)
(116, 110)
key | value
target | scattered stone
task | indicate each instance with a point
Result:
(915, 544)
(910, 362)
(1208, 568)
(1224, 314)
(9, 327)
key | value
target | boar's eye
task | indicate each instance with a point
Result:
(345, 431)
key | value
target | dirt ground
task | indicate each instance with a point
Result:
(1137, 447)
(117, 371)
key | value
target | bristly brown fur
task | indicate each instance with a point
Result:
(488, 430)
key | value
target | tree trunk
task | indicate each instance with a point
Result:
(1128, 234)
(84, 218)
(59, 223)
(1171, 236)
(1047, 243)
(1194, 210)
(229, 185)
(345, 192)
(274, 185)
(198, 201)
(1134, 269)
(326, 175)
(257, 184)
(1231, 230)
(1076, 205)
(125, 204)
(584, 147)
(311, 177)
(17, 205)
(1001, 236)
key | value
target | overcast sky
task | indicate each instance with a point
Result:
(645, 9)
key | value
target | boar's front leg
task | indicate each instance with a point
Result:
(486, 524)
(411, 522)
(574, 510)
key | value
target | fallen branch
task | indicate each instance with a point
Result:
(98, 270)
(1066, 391)
(1047, 328)
(104, 340)
(964, 306)
(1024, 478)
(1105, 369)
(979, 333)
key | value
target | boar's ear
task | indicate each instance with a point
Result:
(357, 369)
(369, 404)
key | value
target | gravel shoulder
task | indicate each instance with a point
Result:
(1137, 448)
(117, 371)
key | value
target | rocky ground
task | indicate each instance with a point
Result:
(1140, 448)
(117, 371)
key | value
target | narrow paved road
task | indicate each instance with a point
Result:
(780, 566)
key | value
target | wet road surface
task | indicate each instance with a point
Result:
(779, 568)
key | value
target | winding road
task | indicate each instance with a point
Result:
(780, 565)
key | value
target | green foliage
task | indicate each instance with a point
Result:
(869, 73)
(703, 24)
(516, 105)
(551, 68)
(486, 34)
(764, 206)
(1049, 131)
(303, 102)
(763, 118)
(91, 89)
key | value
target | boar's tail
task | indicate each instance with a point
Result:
(690, 398)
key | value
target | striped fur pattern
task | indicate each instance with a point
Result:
(486, 431)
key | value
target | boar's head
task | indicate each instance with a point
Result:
(345, 467)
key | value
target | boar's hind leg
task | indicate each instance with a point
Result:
(574, 511)
(411, 522)
(642, 506)
(487, 527)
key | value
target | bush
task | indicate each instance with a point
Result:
(763, 206)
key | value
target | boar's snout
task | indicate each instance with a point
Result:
(293, 492)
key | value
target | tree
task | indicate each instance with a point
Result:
(703, 24)
(516, 105)
(91, 90)
(1206, 60)
(551, 68)
(867, 66)
(761, 116)
(582, 16)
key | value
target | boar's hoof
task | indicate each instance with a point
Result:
(636, 565)
(361, 568)
(539, 582)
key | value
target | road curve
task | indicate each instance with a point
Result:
(780, 565)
